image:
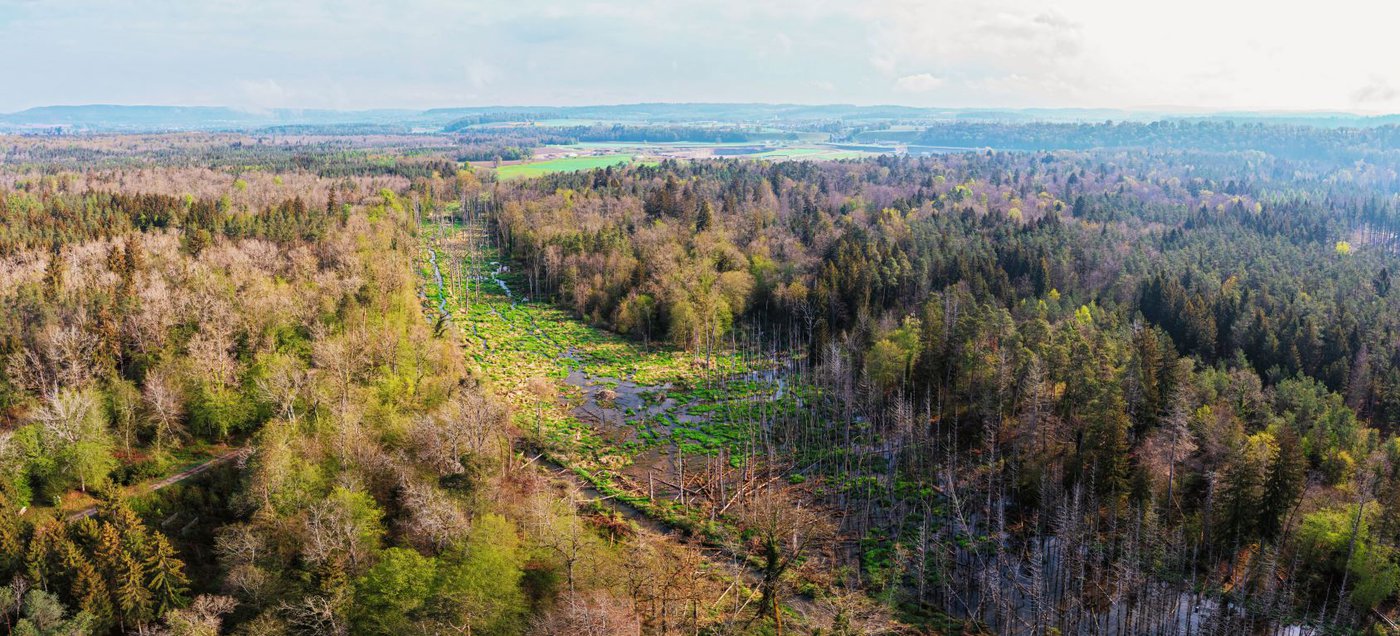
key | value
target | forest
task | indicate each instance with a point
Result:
(1104, 379)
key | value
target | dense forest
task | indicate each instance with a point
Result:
(1147, 385)
(1043, 379)
(362, 478)
(1294, 141)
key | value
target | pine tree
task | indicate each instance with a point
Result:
(53, 274)
(90, 592)
(706, 216)
(11, 548)
(108, 553)
(1241, 491)
(166, 575)
(1283, 485)
(39, 555)
(129, 527)
(133, 598)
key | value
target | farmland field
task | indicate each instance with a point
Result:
(591, 155)
(563, 164)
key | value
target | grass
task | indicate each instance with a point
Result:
(565, 164)
(621, 153)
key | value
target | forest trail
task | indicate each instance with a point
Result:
(170, 480)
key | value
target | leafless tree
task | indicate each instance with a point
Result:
(164, 406)
(204, 617)
(593, 613)
(785, 530)
(316, 614)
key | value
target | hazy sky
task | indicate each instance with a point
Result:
(1214, 54)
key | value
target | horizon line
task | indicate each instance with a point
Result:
(1143, 109)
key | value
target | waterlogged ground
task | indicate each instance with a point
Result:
(617, 412)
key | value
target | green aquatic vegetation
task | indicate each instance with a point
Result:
(513, 342)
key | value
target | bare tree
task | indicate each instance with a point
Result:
(285, 382)
(594, 613)
(544, 392)
(164, 406)
(433, 521)
(204, 617)
(317, 614)
(784, 533)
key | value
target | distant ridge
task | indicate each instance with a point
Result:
(142, 118)
(151, 118)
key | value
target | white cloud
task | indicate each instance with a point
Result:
(918, 83)
(420, 53)
(263, 94)
(1378, 91)
(480, 73)
(784, 42)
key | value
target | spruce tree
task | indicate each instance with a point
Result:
(133, 599)
(165, 575)
(1287, 474)
(91, 594)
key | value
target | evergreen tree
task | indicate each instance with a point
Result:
(91, 594)
(1287, 474)
(54, 273)
(1239, 509)
(165, 576)
(133, 598)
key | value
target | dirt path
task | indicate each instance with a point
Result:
(168, 481)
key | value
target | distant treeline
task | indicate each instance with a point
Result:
(616, 132)
(1289, 141)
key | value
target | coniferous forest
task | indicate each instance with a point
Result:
(1062, 379)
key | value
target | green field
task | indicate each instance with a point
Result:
(566, 164)
(530, 169)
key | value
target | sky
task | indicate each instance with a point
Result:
(353, 54)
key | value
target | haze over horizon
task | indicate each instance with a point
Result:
(1195, 55)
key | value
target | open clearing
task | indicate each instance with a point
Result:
(561, 164)
(632, 420)
(591, 155)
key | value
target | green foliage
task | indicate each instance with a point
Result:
(41, 614)
(1329, 430)
(1339, 540)
(388, 594)
(69, 446)
(165, 576)
(216, 412)
(481, 582)
(891, 359)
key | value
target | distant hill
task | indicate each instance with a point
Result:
(130, 116)
(116, 118)
(106, 117)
